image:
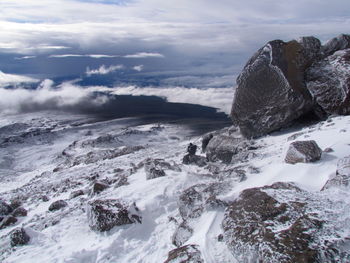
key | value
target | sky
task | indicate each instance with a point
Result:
(164, 38)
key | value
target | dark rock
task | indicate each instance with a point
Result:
(329, 83)
(76, 193)
(259, 228)
(19, 237)
(98, 187)
(15, 203)
(191, 149)
(103, 215)
(182, 234)
(342, 177)
(194, 159)
(7, 221)
(44, 198)
(20, 211)
(5, 209)
(185, 254)
(57, 205)
(271, 91)
(224, 147)
(303, 152)
(206, 140)
(338, 43)
(220, 238)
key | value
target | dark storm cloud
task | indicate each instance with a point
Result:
(195, 37)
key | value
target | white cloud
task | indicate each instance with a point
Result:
(46, 96)
(83, 56)
(12, 79)
(25, 57)
(144, 55)
(138, 68)
(103, 70)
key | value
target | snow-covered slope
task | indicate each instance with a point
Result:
(44, 160)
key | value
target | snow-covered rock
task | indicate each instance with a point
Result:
(19, 237)
(333, 45)
(273, 224)
(329, 82)
(342, 176)
(57, 205)
(103, 215)
(303, 152)
(185, 254)
(5, 209)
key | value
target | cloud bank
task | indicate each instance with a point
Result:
(12, 79)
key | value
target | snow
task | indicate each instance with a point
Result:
(64, 235)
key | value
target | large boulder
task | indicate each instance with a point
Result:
(103, 215)
(329, 82)
(303, 152)
(271, 91)
(185, 254)
(270, 224)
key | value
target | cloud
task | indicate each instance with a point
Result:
(83, 56)
(46, 96)
(191, 35)
(25, 57)
(103, 70)
(144, 55)
(13, 79)
(138, 68)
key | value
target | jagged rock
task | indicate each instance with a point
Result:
(15, 203)
(7, 221)
(185, 254)
(57, 205)
(192, 200)
(271, 92)
(76, 193)
(5, 209)
(303, 152)
(338, 43)
(44, 198)
(328, 150)
(19, 237)
(329, 82)
(20, 211)
(98, 187)
(259, 228)
(342, 177)
(103, 215)
(182, 234)
(194, 159)
(206, 139)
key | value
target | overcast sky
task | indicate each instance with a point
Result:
(186, 37)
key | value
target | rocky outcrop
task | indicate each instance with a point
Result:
(287, 80)
(103, 215)
(19, 237)
(303, 152)
(329, 83)
(5, 209)
(259, 227)
(185, 254)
